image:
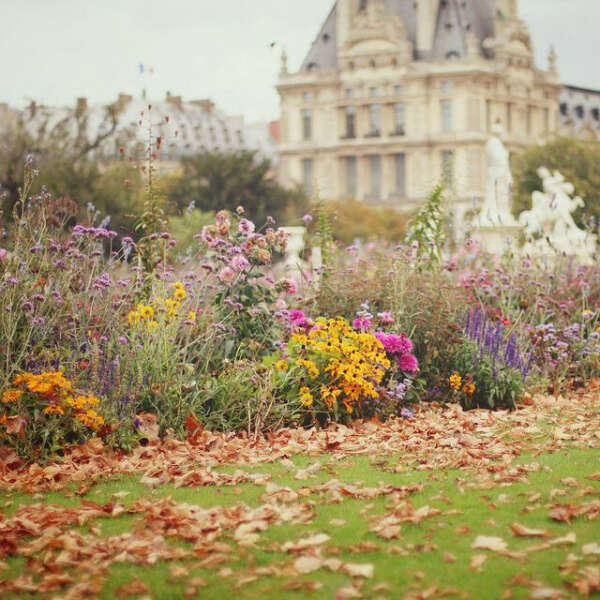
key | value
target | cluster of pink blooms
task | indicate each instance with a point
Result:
(238, 246)
(399, 348)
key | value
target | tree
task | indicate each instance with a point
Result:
(215, 181)
(578, 162)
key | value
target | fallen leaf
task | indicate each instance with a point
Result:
(477, 561)
(523, 531)
(359, 570)
(307, 564)
(495, 544)
(133, 588)
(592, 548)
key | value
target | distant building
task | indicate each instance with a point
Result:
(184, 128)
(397, 95)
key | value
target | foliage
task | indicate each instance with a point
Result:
(183, 229)
(353, 220)
(215, 181)
(577, 161)
(426, 233)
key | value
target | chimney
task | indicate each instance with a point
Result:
(205, 103)
(427, 12)
(344, 9)
(174, 100)
(81, 106)
(123, 100)
(32, 109)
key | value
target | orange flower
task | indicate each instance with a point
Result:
(54, 408)
(11, 396)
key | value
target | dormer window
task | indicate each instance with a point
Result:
(564, 109)
(596, 114)
(580, 111)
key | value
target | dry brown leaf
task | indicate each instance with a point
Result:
(348, 592)
(522, 531)
(592, 548)
(304, 543)
(449, 557)
(133, 588)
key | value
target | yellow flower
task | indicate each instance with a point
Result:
(152, 325)
(133, 317)
(145, 311)
(11, 396)
(178, 285)
(455, 381)
(282, 365)
(306, 398)
(179, 294)
(54, 408)
(191, 316)
(90, 419)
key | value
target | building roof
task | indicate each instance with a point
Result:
(455, 20)
(186, 128)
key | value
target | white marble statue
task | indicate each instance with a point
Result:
(293, 264)
(497, 202)
(549, 225)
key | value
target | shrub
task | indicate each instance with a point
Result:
(42, 412)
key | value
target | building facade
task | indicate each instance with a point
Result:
(395, 96)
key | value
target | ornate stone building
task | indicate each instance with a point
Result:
(397, 95)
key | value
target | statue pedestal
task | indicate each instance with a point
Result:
(497, 239)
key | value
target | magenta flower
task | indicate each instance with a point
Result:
(3, 253)
(386, 318)
(361, 323)
(408, 363)
(298, 318)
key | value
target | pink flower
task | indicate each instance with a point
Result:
(226, 275)
(386, 318)
(289, 286)
(239, 263)
(361, 323)
(246, 227)
(408, 363)
(395, 344)
(3, 253)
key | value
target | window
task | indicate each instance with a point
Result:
(307, 96)
(374, 92)
(375, 167)
(446, 86)
(306, 124)
(363, 5)
(446, 110)
(398, 90)
(399, 118)
(374, 120)
(350, 122)
(307, 175)
(349, 94)
(351, 176)
(400, 167)
(509, 117)
(448, 167)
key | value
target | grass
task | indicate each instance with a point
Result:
(418, 560)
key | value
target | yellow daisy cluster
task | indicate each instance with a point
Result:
(54, 390)
(90, 418)
(11, 396)
(306, 397)
(455, 381)
(49, 384)
(350, 363)
(169, 306)
(143, 313)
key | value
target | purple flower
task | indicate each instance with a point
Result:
(406, 413)
(27, 306)
(307, 219)
(38, 321)
(123, 340)
(38, 298)
(239, 263)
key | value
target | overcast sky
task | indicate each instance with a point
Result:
(56, 50)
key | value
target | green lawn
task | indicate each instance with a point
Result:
(344, 496)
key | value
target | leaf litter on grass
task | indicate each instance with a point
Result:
(480, 449)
